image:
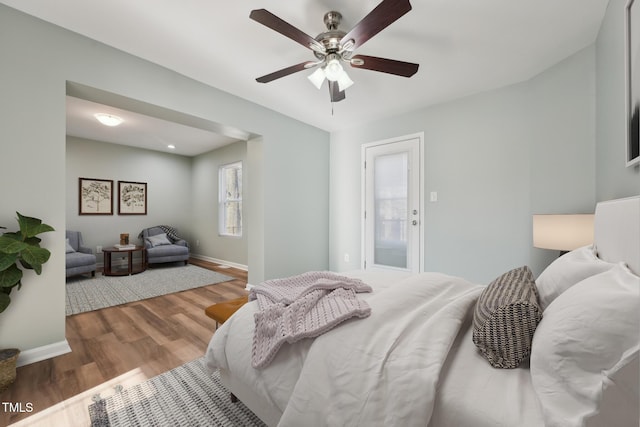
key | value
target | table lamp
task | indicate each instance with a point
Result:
(562, 232)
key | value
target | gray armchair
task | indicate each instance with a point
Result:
(163, 245)
(79, 259)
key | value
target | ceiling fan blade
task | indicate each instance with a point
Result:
(377, 20)
(334, 91)
(286, 71)
(270, 20)
(384, 65)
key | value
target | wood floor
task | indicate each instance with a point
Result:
(116, 346)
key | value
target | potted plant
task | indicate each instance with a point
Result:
(18, 249)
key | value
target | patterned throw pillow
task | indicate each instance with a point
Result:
(505, 318)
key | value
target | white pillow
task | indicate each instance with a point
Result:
(159, 240)
(587, 336)
(568, 270)
(69, 248)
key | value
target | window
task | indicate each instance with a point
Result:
(230, 199)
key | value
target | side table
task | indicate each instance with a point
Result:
(110, 270)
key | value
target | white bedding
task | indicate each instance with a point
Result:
(383, 370)
(507, 394)
(230, 348)
(404, 360)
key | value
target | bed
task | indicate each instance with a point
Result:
(424, 355)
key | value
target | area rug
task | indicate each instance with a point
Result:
(185, 396)
(88, 294)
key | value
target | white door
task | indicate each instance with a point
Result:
(392, 205)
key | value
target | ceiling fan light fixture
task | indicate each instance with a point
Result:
(344, 82)
(317, 77)
(108, 119)
(333, 69)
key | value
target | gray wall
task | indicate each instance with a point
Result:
(205, 205)
(614, 180)
(254, 205)
(561, 117)
(495, 159)
(296, 195)
(38, 59)
(168, 179)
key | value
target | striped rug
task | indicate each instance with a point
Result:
(186, 396)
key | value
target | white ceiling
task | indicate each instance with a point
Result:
(463, 47)
(140, 130)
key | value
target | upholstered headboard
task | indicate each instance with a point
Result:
(617, 231)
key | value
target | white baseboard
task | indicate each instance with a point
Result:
(42, 353)
(221, 261)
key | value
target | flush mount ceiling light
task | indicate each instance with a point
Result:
(334, 47)
(108, 119)
(171, 147)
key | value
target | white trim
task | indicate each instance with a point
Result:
(221, 261)
(42, 353)
(421, 184)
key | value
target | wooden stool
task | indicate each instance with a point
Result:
(221, 311)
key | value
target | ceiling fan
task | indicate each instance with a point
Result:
(334, 47)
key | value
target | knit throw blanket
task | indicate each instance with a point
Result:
(302, 306)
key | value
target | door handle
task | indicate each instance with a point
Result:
(414, 222)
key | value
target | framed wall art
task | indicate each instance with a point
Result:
(132, 198)
(632, 21)
(95, 196)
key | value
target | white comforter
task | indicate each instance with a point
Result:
(382, 370)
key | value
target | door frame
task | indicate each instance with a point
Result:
(363, 194)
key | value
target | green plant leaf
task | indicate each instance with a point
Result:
(26, 265)
(9, 245)
(6, 260)
(21, 248)
(15, 235)
(30, 226)
(10, 277)
(33, 241)
(35, 257)
(5, 300)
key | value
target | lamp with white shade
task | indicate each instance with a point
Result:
(562, 232)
